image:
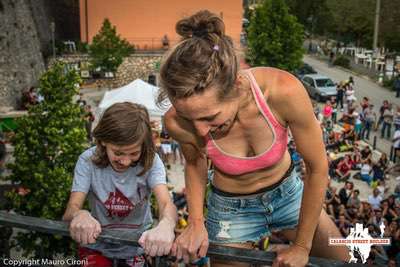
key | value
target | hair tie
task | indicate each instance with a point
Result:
(216, 47)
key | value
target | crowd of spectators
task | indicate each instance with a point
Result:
(346, 125)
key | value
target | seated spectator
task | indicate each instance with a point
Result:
(332, 202)
(345, 192)
(387, 212)
(378, 172)
(366, 171)
(343, 225)
(343, 169)
(383, 189)
(364, 212)
(356, 158)
(376, 218)
(375, 199)
(384, 162)
(354, 203)
(366, 154)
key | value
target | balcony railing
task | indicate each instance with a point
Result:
(255, 257)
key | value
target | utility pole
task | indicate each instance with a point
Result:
(53, 39)
(376, 28)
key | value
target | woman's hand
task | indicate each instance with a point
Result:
(83, 228)
(293, 256)
(158, 241)
(192, 243)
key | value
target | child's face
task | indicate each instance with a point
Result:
(122, 157)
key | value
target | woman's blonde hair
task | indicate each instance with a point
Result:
(124, 124)
(204, 57)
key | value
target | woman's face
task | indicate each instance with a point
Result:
(207, 113)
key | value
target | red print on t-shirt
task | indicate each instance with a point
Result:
(118, 205)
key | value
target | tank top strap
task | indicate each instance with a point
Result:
(260, 100)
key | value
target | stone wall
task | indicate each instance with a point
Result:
(137, 66)
(21, 61)
(25, 41)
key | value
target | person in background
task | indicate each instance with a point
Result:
(327, 111)
(345, 192)
(343, 169)
(387, 122)
(364, 103)
(396, 85)
(369, 121)
(396, 121)
(396, 145)
(375, 199)
(89, 119)
(334, 105)
(166, 148)
(366, 171)
(383, 107)
(117, 176)
(340, 92)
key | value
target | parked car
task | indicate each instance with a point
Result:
(319, 87)
(304, 70)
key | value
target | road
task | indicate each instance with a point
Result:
(363, 87)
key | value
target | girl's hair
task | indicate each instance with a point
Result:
(124, 124)
(204, 57)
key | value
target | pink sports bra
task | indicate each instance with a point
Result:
(236, 165)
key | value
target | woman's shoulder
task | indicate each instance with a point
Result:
(276, 83)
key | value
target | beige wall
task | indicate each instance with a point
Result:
(145, 22)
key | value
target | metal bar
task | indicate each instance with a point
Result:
(120, 237)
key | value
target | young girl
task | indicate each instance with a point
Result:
(117, 176)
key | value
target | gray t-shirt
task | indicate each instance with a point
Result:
(118, 200)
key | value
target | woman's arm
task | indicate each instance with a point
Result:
(193, 242)
(293, 105)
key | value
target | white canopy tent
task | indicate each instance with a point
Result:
(138, 92)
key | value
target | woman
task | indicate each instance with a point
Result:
(240, 120)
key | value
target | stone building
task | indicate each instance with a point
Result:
(25, 41)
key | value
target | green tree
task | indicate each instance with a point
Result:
(275, 38)
(389, 25)
(47, 144)
(108, 49)
(353, 20)
(313, 14)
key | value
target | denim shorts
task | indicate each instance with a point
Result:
(249, 218)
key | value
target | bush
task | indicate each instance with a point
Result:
(388, 83)
(342, 61)
(46, 146)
